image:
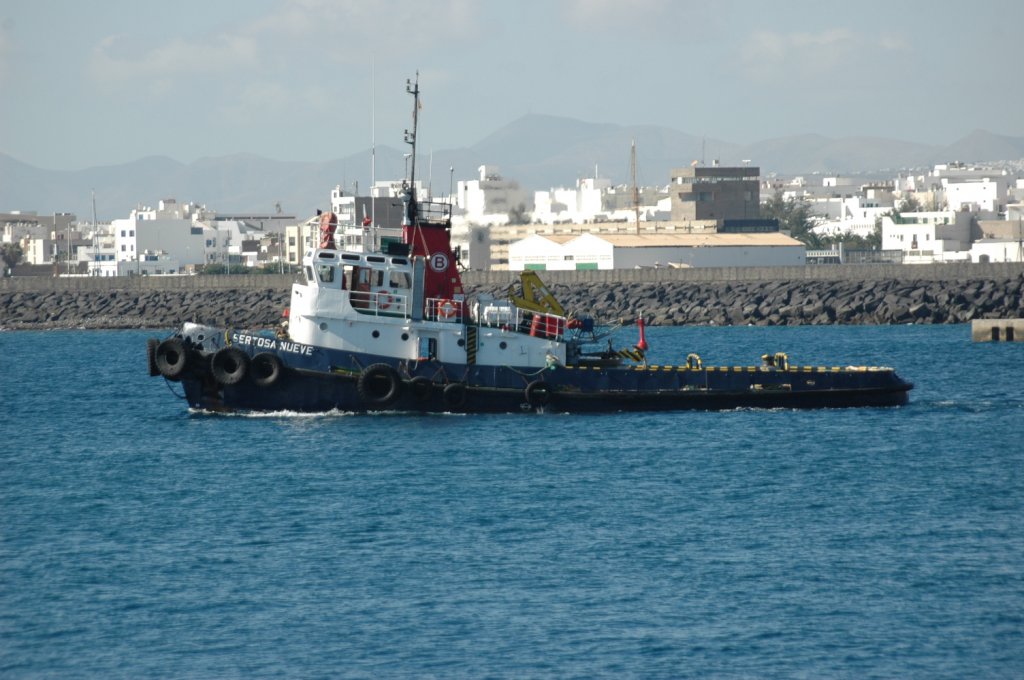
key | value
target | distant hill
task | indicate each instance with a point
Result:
(538, 151)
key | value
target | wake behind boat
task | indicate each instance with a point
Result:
(392, 329)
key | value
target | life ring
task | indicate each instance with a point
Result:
(538, 393)
(379, 385)
(266, 369)
(385, 299)
(421, 387)
(171, 358)
(446, 309)
(229, 365)
(454, 395)
(151, 346)
(693, 362)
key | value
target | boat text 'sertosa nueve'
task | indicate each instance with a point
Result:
(389, 328)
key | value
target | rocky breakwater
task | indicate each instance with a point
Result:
(761, 303)
(141, 309)
(812, 302)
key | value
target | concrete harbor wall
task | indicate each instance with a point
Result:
(866, 272)
(870, 294)
(997, 330)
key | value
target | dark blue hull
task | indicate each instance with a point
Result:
(315, 379)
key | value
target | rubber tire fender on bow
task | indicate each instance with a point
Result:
(379, 385)
(538, 393)
(151, 346)
(229, 365)
(421, 386)
(171, 358)
(454, 395)
(266, 369)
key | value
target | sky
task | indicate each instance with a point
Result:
(87, 84)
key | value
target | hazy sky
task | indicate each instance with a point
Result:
(110, 81)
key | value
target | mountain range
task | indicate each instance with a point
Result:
(538, 151)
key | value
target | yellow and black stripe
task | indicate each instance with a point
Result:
(472, 333)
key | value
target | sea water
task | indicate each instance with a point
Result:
(138, 539)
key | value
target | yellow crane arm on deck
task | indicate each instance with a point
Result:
(536, 297)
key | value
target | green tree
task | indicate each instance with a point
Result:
(11, 254)
(909, 203)
(794, 215)
(873, 241)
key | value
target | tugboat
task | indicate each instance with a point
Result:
(392, 329)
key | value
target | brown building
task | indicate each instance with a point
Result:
(715, 193)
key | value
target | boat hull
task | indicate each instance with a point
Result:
(316, 379)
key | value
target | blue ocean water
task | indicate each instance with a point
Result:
(139, 540)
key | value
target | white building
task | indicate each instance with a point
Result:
(986, 195)
(37, 250)
(595, 200)
(629, 251)
(997, 250)
(490, 198)
(100, 255)
(926, 237)
(168, 229)
(857, 215)
(957, 186)
(300, 238)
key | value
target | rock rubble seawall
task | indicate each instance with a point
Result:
(761, 303)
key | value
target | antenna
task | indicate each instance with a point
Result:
(95, 230)
(373, 147)
(636, 192)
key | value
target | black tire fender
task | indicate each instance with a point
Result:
(229, 365)
(421, 387)
(151, 346)
(379, 385)
(538, 393)
(265, 369)
(171, 358)
(454, 395)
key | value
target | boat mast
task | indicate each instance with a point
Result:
(413, 88)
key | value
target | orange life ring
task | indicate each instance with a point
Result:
(384, 299)
(446, 309)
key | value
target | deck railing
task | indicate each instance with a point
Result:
(380, 303)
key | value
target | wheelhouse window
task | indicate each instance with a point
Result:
(398, 279)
